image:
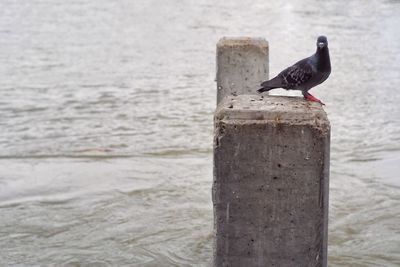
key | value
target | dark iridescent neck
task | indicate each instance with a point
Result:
(324, 62)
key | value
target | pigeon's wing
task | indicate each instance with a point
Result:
(297, 75)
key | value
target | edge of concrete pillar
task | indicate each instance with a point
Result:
(271, 182)
(242, 65)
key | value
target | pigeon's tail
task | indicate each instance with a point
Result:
(271, 84)
(265, 89)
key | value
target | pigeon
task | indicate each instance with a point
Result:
(305, 74)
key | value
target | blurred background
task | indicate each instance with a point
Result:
(106, 125)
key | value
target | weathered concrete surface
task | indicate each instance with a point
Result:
(242, 65)
(271, 182)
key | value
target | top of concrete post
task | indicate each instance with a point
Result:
(242, 65)
(243, 41)
(276, 109)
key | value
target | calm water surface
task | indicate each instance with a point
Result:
(106, 125)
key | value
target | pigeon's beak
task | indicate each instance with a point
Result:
(321, 45)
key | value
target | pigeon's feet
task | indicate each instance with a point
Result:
(312, 98)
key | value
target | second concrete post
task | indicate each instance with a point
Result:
(242, 64)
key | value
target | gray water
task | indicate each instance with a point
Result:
(106, 125)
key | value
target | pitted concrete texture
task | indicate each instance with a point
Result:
(271, 182)
(242, 65)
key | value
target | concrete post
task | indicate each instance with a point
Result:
(242, 65)
(271, 181)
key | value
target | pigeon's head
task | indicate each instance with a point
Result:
(322, 42)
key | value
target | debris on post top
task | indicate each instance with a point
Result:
(242, 65)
